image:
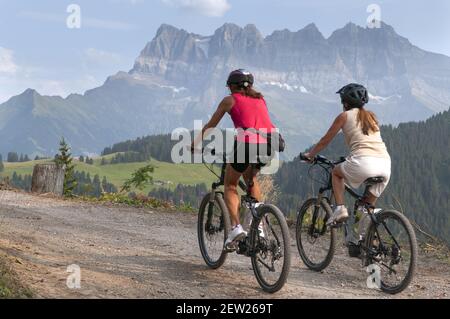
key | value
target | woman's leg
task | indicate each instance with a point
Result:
(231, 194)
(250, 176)
(338, 185)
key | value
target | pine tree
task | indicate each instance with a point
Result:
(13, 157)
(81, 159)
(2, 167)
(65, 158)
(97, 186)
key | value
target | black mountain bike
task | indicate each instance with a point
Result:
(389, 241)
(269, 250)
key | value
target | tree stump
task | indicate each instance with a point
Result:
(48, 178)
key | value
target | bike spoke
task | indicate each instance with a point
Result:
(270, 268)
(391, 249)
(213, 232)
(269, 254)
(314, 236)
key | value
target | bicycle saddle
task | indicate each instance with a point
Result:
(374, 180)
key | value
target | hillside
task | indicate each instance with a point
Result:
(180, 77)
(166, 174)
(420, 181)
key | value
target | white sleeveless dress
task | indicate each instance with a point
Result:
(368, 156)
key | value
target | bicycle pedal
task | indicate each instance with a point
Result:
(230, 248)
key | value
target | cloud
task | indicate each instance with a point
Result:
(16, 78)
(211, 8)
(7, 64)
(45, 83)
(85, 21)
(97, 56)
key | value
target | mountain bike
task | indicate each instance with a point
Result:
(267, 242)
(386, 238)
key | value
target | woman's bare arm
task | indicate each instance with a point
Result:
(224, 107)
(337, 125)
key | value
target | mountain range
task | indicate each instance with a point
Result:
(180, 77)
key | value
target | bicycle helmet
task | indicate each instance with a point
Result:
(241, 78)
(355, 95)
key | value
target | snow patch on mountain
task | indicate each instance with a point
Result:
(285, 86)
(203, 44)
(383, 99)
(173, 88)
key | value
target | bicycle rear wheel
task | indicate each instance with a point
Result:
(212, 228)
(315, 241)
(271, 258)
(391, 244)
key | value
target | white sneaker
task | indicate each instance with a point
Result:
(340, 214)
(236, 234)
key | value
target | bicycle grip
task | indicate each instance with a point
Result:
(304, 158)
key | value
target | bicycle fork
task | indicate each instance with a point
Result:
(209, 228)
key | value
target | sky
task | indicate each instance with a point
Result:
(38, 50)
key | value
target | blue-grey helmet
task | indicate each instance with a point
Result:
(355, 95)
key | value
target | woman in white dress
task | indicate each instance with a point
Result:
(368, 154)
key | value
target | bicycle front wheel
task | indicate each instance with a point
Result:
(212, 228)
(315, 240)
(271, 258)
(391, 245)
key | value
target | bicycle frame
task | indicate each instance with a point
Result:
(244, 248)
(359, 200)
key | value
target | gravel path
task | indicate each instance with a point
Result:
(137, 253)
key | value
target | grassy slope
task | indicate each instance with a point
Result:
(10, 286)
(187, 174)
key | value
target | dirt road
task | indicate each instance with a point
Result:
(137, 253)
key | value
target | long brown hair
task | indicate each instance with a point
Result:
(368, 121)
(247, 91)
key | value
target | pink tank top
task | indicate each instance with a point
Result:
(249, 112)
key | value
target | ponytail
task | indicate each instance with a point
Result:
(368, 121)
(249, 91)
(246, 90)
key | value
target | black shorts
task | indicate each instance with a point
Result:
(245, 154)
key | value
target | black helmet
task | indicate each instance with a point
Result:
(355, 95)
(241, 78)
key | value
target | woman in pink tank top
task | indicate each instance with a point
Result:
(250, 116)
